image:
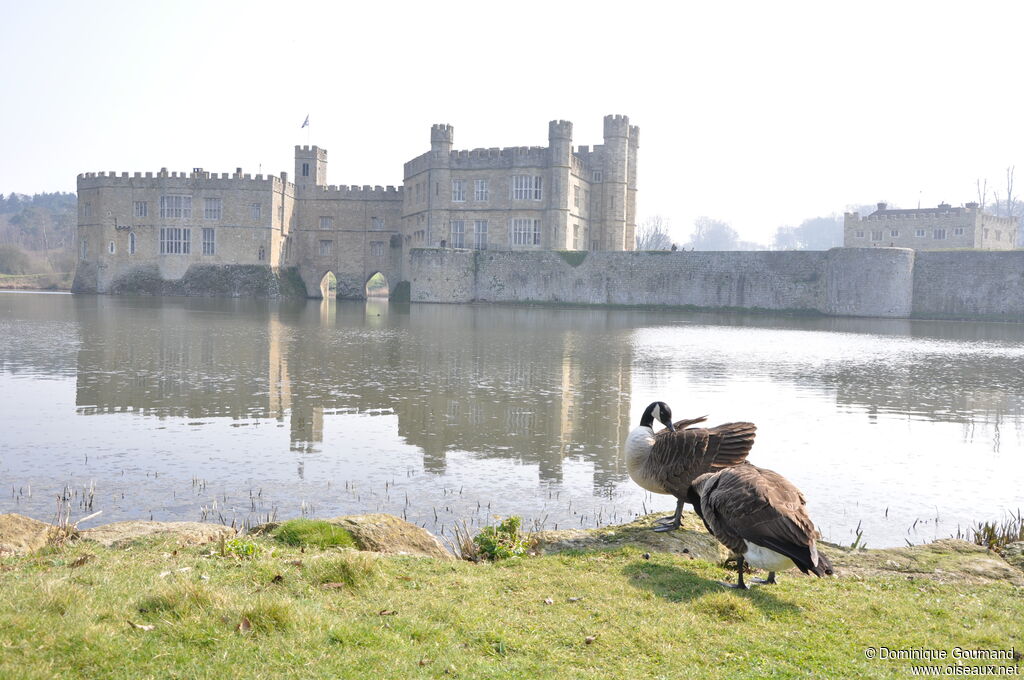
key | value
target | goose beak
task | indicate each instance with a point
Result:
(670, 426)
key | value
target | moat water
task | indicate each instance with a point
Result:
(237, 411)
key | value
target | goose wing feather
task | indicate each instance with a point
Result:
(677, 458)
(763, 507)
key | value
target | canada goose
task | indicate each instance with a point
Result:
(669, 461)
(760, 516)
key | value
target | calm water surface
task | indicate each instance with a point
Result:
(239, 411)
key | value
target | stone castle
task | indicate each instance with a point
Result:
(147, 231)
(940, 228)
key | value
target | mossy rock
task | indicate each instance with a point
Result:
(1014, 554)
(123, 534)
(313, 532)
(392, 535)
(690, 539)
(946, 560)
(20, 535)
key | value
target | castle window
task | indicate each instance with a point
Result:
(131, 243)
(597, 176)
(257, 210)
(999, 235)
(261, 254)
(175, 206)
(175, 241)
(576, 195)
(377, 223)
(919, 233)
(84, 248)
(958, 231)
(458, 190)
(458, 234)
(211, 208)
(112, 248)
(141, 209)
(326, 222)
(894, 233)
(305, 169)
(376, 248)
(208, 241)
(87, 209)
(575, 237)
(939, 234)
(526, 187)
(525, 232)
(595, 245)
(876, 235)
(326, 248)
(858, 234)
(480, 190)
(480, 234)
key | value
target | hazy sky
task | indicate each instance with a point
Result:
(759, 114)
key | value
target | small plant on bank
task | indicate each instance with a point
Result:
(502, 541)
(313, 532)
(997, 535)
(240, 548)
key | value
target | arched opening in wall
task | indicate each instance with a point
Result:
(377, 287)
(329, 286)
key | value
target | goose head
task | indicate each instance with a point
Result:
(660, 411)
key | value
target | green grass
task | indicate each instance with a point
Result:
(313, 532)
(285, 613)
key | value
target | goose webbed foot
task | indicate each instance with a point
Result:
(740, 585)
(770, 581)
(736, 586)
(672, 522)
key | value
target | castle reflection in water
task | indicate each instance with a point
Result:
(514, 383)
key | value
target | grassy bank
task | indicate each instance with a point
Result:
(55, 281)
(267, 610)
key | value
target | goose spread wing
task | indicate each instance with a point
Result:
(677, 458)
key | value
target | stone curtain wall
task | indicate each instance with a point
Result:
(969, 285)
(876, 282)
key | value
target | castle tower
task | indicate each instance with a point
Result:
(560, 160)
(616, 180)
(439, 179)
(310, 166)
(630, 231)
(442, 136)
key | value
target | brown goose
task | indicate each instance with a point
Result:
(669, 461)
(760, 516)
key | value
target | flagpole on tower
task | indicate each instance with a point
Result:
(305, 124)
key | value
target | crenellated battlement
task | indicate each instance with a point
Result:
(442, 132)
(310, 151)
(363, 193)
(616, 126)
(561, 129)
(195, 179)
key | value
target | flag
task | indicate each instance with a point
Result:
(305, 123)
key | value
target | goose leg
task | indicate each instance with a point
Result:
(672, 522)
(740, 585)
(770, 581)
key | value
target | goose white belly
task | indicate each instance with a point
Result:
(764, 558)
(638, 450)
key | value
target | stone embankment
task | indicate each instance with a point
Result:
(945, 561)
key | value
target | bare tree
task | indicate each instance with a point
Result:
(1009, 206)
(982, 193)
(652, 234)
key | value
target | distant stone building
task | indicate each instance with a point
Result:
(940, 228)
(167, 227)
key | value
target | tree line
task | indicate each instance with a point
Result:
(37, 233)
